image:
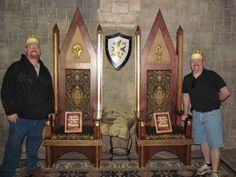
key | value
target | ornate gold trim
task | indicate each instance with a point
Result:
(72, 143)
(77, 50)
(158, 52)
(142, 124)
(97, 123)
(164, 142)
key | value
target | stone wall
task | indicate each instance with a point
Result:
(208, 25)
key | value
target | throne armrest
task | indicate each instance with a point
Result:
(188, 127)
(48, 129)
(49, 126)
(187, 123)
(141, 128)
(97, 129)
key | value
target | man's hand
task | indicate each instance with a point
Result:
(51, 116)
(224, 93)
(184, 117)
(12, 118)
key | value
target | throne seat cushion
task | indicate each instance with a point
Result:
(86, 134)
(177, 133)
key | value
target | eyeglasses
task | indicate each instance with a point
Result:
(33, 46)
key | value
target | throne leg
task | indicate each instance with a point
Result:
(187, 160)
(48, 156)
(97, 160)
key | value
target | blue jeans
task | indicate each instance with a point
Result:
(207, 127)
(32, 130)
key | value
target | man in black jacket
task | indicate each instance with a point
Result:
(27, 98)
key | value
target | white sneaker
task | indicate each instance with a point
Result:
(214, 174)
(204, 169)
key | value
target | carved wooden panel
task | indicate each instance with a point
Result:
(158, 53)
(77, 50)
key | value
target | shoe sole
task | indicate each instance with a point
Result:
(204, 172)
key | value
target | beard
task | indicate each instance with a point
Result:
(34, 55)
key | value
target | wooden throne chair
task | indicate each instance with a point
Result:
(76, 88)
(159, 78)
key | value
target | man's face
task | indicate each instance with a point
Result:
(33, 51)
(196, 66)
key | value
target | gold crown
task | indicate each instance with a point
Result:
(196, 55)
(32, 39)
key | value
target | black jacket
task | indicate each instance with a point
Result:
(25, 93)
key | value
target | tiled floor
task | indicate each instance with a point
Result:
(228, 156)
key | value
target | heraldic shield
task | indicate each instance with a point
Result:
(118, 49)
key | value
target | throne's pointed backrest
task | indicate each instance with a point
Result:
(77, 71)
(159, 72)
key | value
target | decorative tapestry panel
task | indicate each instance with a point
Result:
(78, 91)
(158, 91)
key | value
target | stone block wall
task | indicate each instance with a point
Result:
(208, 25)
